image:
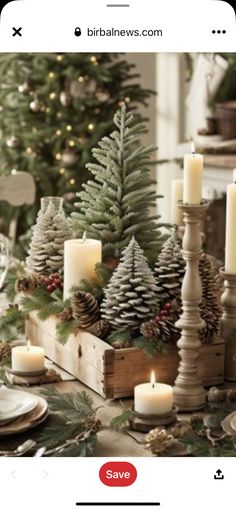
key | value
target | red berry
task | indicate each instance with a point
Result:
(57, 281)
(157, 318)
(163, 313)
(168, 306)
(51, 287)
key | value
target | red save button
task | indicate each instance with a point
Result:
(118, 474)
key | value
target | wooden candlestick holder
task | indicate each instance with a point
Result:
(228, 323)
(189, 394)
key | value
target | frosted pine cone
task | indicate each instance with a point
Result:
(170, 269)
(131, 294)
(158, 441)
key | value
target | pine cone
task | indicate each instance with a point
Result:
(210, 305)
(179, 429)
(158, 441)
(28, 284)
(5, 352)
(66, 315)
(163, 326)
(100, 328)
(85, 309)
(121, 343)
(196, 420)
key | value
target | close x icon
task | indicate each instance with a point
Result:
(16, 31)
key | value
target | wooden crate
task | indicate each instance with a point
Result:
(113, 373)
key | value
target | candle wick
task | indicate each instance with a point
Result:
(153, 385)
(84, 236)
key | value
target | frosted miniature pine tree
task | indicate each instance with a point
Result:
(46, 252)
(169, 270)
(116, 204)
(131, 295)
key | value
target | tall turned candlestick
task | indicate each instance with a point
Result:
(189, 393)
(228, 323)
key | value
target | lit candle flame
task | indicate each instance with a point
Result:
(28, 345)
(193, 147)
(153, 378)
(84, 236)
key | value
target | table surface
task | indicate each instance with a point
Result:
(110, 443)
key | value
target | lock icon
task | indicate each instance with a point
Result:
(78, 31)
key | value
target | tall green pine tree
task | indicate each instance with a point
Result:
(116, 205)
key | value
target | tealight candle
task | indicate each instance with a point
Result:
(153, 397)
(28, 358)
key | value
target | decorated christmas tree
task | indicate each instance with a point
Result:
(131, 295)
(53, 109)
(116, 205)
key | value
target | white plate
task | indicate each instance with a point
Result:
(14, 403)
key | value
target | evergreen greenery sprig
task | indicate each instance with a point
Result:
(12, 323)
(71, 428)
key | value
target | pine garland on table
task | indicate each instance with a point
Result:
(46, 252)
(116, 204)
(131, 295)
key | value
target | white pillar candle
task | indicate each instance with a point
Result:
(176, 194)
(80, 259)
(230, 241)
(27, 358)
(193, 172)
(234, 175)
(153, 397)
